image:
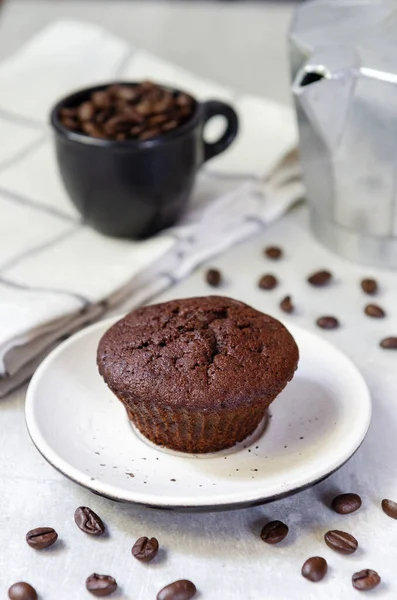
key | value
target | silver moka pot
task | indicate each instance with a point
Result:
(344, 82)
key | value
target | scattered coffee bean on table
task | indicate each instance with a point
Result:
(286, 305)
(213, 277)
(320, 278)
(315, 568)
(101, 585)
(345, 504)
(22, 591)
(389, 508)
(274, 252)
(274, 532)
(42, 537)
(375, 311)
(145, 549)
(268, 282)
(389, 343)
(365, 580)
(341, 542)
(328, 322)
(369, 286)
(88, 521)
(129, 112)
(182, 589)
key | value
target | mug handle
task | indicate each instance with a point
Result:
(213, 108)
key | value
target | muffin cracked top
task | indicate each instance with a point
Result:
(204, 353)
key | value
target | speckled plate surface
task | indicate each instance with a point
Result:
(316, 424)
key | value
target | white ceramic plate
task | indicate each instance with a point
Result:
(316, 424)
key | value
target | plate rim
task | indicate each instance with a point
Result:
(69, 471)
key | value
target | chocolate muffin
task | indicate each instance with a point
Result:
(197, 375)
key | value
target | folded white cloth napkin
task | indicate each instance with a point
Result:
(56, 275)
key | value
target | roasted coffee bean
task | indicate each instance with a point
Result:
(119, 109)
(170, 125)
(149, 134)
(42, 537)
(157, 120)
(128, 93)
(144, 107)
(179, 590)
(68, 113)
(274, 252)
(365, 580)
(92, 129)
(22, 591)
(268, 282)
(102, 116)
(315, 568)
(86, 111)
(213, 277)
(345, 504)
(375, 311)
(70, 123)
(184, 100)
(327, 322)
(101, 585)
(88, 521)
(389, 343)
(320, 278)
(274, 532)
(164, 104)
(390, 508)
(369, 286)
(341, 542)
(145, 549)
(101, 100)
(286, 305)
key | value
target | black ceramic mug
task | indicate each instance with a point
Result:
(134, 188)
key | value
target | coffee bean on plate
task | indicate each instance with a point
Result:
(274, 532)
(328, 322)
(274, 252)
(286, 305)
(315, 568)
(183, 589)
(365, 580)
(213, 277)
(145, 549)
(88, 521)
(22, 591)
(268, 282)
(42, 537)
(389, 343)
(375, 311)
(369, 286)
(345, 504)
(320, 278)
(389, 508)
(341, 542)
(101, 585)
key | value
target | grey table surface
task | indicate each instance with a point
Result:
(242, 44)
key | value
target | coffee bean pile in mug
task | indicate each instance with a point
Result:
(145, 550)
(129, 112)
(269, 282)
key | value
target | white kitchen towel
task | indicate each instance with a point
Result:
(56, 275)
